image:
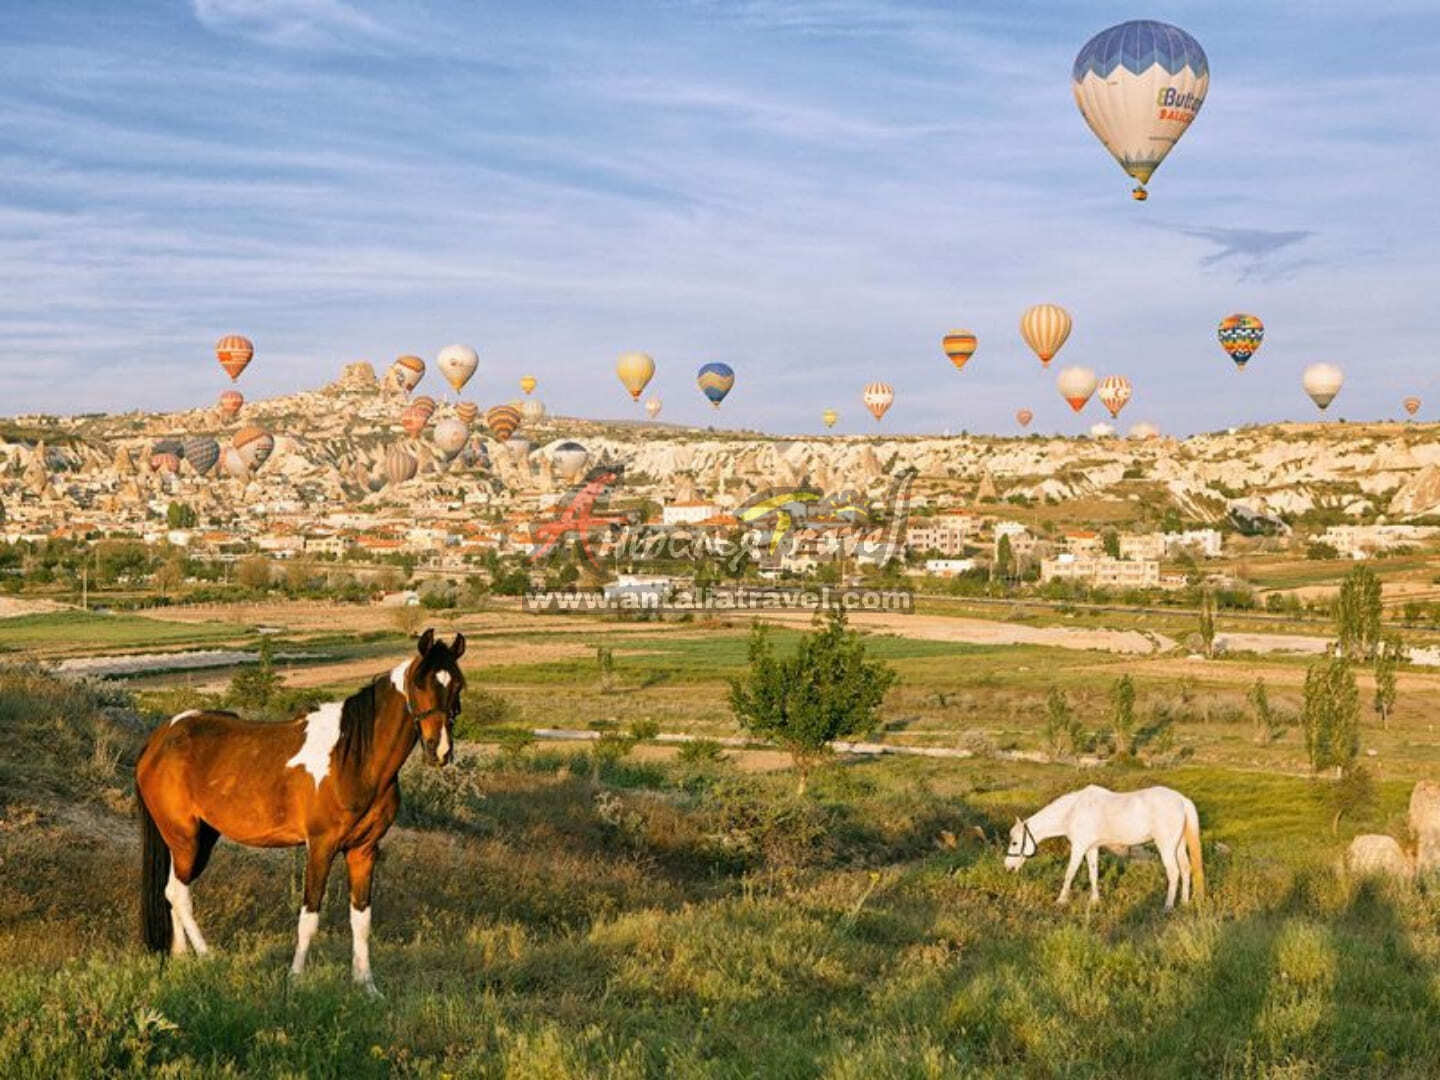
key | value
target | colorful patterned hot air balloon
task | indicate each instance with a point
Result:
(1023, 417)
(532, 410)
(1240, 337)
(1138, 85)
(400, 465)
(528, 383)
(959, 345)
(569, 459)
(457, 363)
(1076, 385)
(254, 445)
(413, 419)
(1114, 392)
(467, 411)
(201, 451)
(1412, 405)
(878, 397)
(829, 417)
(715, 381)
(230, 404)
(653, 405)
(408, 371)
(635, 370)
(1322, 382)
(1045, 328)
(450, 436)
(502, 421)
(234, 353)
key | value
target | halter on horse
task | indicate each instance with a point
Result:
(326, 780)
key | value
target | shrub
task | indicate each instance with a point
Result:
(701, 752)
(1331, 714)
(484, 709)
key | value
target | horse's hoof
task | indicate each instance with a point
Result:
(371, 990)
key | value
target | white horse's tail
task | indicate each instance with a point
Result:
(1192, 844)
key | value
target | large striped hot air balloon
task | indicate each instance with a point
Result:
(457, 363)
(234, 353)
(829, 417)
(1322, 382)
(653, 405)
(959, 345)
(1114, 391)
(1023, 417)
(254, 445)
(502, 421)
(528, 383)
(400, 465)
(715, 381)
(230, 404)
(1240, 337)
(878, 397)
(413, 419)
(1076, 384)
(1139, 84)
(1412, 405)
(467, 411)
(201, 451)
(1045, 328)
(635, 370)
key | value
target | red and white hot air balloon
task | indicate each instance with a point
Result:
(878, 397)
(1023, 417)
(234, 353)
(230, 404)
(1114, 391)
(1076, 384)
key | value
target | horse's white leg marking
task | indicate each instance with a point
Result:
(1172, 873)
(177, 928)
(443, 747)
(1182, 859)
(1092, 858)
(309, 923)
(1077, 856)
(360, 962)
(180, 911)
(322, 732)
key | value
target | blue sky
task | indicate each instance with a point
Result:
(811, 192)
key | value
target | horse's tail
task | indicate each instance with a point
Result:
(156, 929)
(1192, 844)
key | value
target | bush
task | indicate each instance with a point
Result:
(1331, 714)
(484, 710)
(701, 752)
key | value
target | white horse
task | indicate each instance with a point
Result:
(1095, 817)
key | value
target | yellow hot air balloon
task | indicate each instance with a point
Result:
(959, 346)
(1114, 392)
(830, 416)
(528, 383)
(1045, 328)
(234, 353)
(635, 370)
(878, 397)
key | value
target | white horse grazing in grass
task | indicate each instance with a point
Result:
(1095, 817)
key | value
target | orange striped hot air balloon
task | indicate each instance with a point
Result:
(1023, 417)
(878, 397)
(234, 353)
(230, 404)
(426, 404)
(1412, 405)
(1045, 328)
(467, 411)
(400, 465)
(409, 370)
(958, 346)
(1114, 391)
(502, 421)
(413, 419)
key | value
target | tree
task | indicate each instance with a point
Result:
(180, 515)
(253, 572)
(170, 574)
(1390, 656)
(1060, 719)
(1357, 613)
(1122, 714)
(1331, 714)
(1004, 558)
(254, 687)
(1207, 621)
(1110, 541)
(1268, 724)
(826, 690)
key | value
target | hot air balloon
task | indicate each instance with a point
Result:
(230, 404)
(400, 465)
(1322, 382)
(168, 446)
(254, 445)
(165, 463)
(1045, 328)
(1412, 405)
(1102, 430)
(425, 404)
(715, 381)
(877, 398)
(653, 406)
(502, 421)
(450, 436)
(234, 353)
(413, 419)
(958, 346)
(1076, 385)
(1240, 337)
(457, 363)
(528, 383)
(1114, 392)
(1138, 85)
(233, 464)
(829, 416)
(202, 452)
(408, 371)
(1144, 430)
(635, 370)
(569, 459)
(1023, 417)
(532, 410)
(519, 448)
(467, 411)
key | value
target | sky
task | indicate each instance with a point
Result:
(813, 192)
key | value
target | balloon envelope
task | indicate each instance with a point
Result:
(532, 410)
(959, 346)
(457, 363)
(528, 383)
(234, 353)
(409, 370)
(1322, 382)
(400, 465)
(413, 419)
(635, 370)
(829, 416)
(1138, 85)
(1045, 328)
(569, 459)
(1114, 391)
(233, 463)
(1412, 405)
(653, 405)
(1076, 384)
(1023, 417)
(202, 452)
(715, 381)
(254, 445)
(230, 404)
(450, 436)
(502, 421)
(1240, 336)
(878, 397)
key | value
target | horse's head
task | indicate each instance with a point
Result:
(1022, 845)
(432, 686)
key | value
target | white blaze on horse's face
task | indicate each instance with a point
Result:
(443, 678)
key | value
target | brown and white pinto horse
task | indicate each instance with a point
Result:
(326, 780)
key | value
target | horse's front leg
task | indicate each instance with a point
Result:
(1077, 856)
(1092, 859)
(320, 852)
(360, 862)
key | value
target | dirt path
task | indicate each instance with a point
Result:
(985, 632)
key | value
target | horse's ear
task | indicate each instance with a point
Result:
(458, 649)
(427, 639)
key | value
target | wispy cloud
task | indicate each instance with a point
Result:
(1253, 252)
(296, 24)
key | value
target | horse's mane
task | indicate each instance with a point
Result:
(357, 722)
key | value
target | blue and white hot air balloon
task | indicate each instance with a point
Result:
(715, 381)
(1138, 85)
